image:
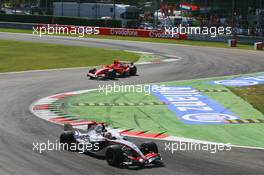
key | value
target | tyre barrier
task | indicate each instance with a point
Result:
(258, 46)
(232, 43)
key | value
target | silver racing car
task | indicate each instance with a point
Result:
(102, 140)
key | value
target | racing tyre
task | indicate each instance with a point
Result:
(133, 70)
(111, 74)
(114, 155)
(67, 139)
(92, 71)
(149, 147)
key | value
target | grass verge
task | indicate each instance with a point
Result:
(22, 56)
(159, 119)
(154, 40)
(254, 95)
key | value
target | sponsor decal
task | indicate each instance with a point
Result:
(208, 117)
(241, 81)
(161, 34)
(124, 32)
(192, 106)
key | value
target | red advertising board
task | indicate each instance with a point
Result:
(113, 31)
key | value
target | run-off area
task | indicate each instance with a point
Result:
(219, 104)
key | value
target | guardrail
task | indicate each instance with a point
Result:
(224, 38)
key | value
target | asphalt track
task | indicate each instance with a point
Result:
(19, 128)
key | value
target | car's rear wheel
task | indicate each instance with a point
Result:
(148, 147)
(67, 139)
(133, 70)
(111, 74)
(114, 155)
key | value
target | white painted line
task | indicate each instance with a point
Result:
(169, 60)
(140, 52)
(47, 101)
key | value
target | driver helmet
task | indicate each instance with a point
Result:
(104, 128)
(108, 135)
(116, 61)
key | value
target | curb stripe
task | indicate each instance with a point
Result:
(61, 96)
(121, 104)
(245, 121)
(60, 119)
(143, 134)
(83, 122)
(212, 90)
(41, 107)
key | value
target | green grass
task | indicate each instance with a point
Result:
(16, 30)
(155, 40)
(22, 56)
(160, 119)
(254, 95)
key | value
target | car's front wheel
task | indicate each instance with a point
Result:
(91, 71)
(114, 155)
(133, 70)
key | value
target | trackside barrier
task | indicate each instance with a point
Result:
(117, 31)
(258, 46)
(232, 43)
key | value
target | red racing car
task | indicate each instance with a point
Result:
(117, 69)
